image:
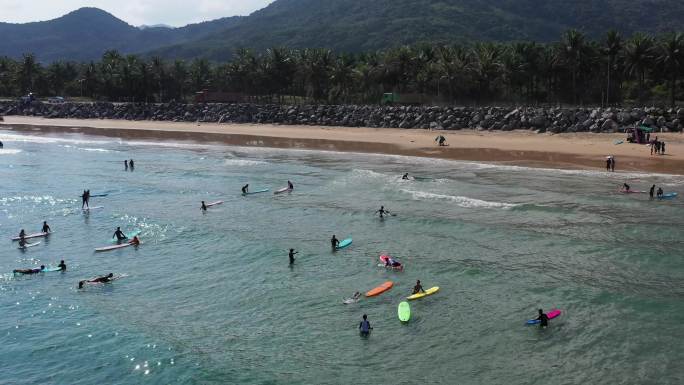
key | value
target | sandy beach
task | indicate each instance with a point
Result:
(570, 151)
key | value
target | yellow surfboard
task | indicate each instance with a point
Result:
(427, 292)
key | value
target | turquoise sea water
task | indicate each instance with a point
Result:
(210, 298)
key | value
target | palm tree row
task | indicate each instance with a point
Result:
(575, 69)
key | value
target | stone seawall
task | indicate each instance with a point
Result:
(556, 120)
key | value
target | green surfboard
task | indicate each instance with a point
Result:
(404, 311)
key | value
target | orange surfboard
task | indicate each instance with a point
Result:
(380, 289)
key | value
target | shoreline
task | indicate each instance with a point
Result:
(523, 148)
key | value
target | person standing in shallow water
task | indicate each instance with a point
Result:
(651, 192)
(543, 319)
(365, 326)
(612, 164)
(130, 162)
(291, 255)
(126, 165)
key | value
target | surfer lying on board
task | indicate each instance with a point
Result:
(245, 188)
(103, 279)
(365, 326)
(291, 255)
(290, 185)
(543, 319)
(625, 186)
(46, 228)
(418, 288)
(382, 212)
(334, 242)
(391, 262)
(120, 236)
(204, 206)
(29, 271)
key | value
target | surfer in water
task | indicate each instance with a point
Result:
(651, 191)
(365, 326)
(334, 242)
(291, 255)
(405, 177)
(103, 279)
(130, 162)
(135, 241)
(245, 188)
(120, 236)
(22, 233)
(290, 186)
(62, 265)
(418, 288)
(84, 198)
(543, 319)
(382, 212)
(46, 228)
(23, 242)
(126, 165)
(660, 192)
(625, 187)
(29, 271)
(391, 262)
(204, 206)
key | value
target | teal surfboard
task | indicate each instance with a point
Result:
(404, 312)
(344, 243)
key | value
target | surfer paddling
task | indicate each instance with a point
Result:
(102, 279)
(29, 271)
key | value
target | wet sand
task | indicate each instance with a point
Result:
(525, 148)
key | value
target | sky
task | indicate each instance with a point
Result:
(135, 12)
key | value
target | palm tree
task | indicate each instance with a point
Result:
(670, 57)
(159, 74)
(638, 58)
(179, 74)
(612, 48)
(572, 55)
(486, 66)
(28, 72)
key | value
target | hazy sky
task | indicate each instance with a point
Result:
(135, 12)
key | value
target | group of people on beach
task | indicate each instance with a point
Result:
(610, 163)
(657, 147)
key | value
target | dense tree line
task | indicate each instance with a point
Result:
(576, 70)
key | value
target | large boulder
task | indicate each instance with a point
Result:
(609, 126)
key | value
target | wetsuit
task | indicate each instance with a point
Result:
(28, 271)
(291, 255)
(290, 185)
(651, 191)
(625, 186)
(46, 228)
(660, 192)
(62, 266)
(244, 189)
(334, 242)
(120, 236)
(365, 327)
(405, 177)
(543, 320)
(204, 207)
(418, 289)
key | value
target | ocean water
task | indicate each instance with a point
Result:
(209, 298)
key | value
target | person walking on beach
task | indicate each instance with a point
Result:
(612, 164)
(291, 255)
(662, 148)
(46, 228)
(365, 326)
(608, 164)
(651, 191)
(334, 242)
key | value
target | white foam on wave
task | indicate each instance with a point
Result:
(48, 139)
(459, 200)
(243, 162)
(87, 149)
(10, 151)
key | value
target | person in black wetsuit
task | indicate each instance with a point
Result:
(204, 206)
(102, 279)
(29, 271)
(84, 199)
(46, 228)
(405, 177)
(291, 255)
(418, 288)
(543, 319)
(22, 233)
(62, 265)
(334, 242)
(290, 185)
(245, 188)
(130, 162)
(660, 192)
(365, 326)
(651, 191)
(126, 165)
(120, 236)
(625, 186)
(382, 212)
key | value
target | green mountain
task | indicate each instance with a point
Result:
(361, 25)
(343, 25)
(87, 33)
